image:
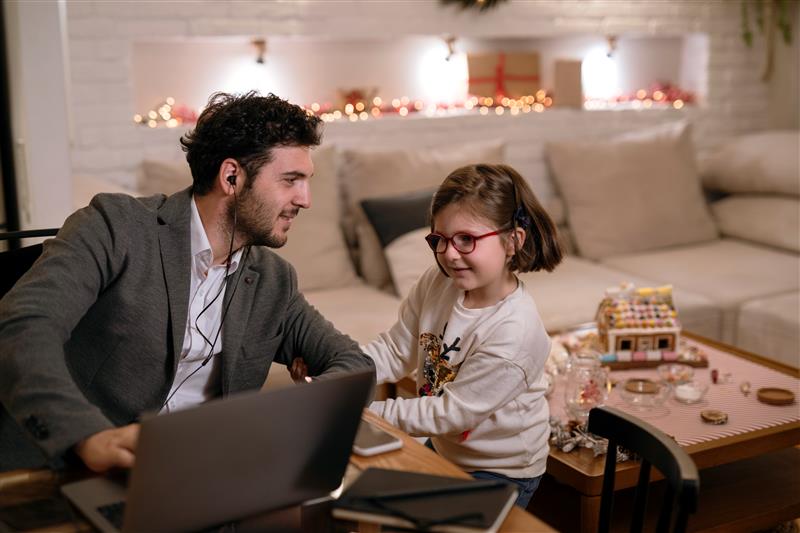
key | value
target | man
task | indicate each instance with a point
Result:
(162, 303)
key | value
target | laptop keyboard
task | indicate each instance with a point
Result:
(113, 513)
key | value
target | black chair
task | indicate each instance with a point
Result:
(655, 449)
(15, 262)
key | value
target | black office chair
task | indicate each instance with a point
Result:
(15, 262)
(654, 448)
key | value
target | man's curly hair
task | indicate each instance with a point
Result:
(246, 128)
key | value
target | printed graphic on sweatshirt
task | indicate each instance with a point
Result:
(437, 368)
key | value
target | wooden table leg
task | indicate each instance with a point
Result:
(590, 513)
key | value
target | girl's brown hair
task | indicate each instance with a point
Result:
(500, 195)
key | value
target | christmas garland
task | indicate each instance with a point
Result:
(770, 15)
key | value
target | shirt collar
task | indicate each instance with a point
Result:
(201, 247)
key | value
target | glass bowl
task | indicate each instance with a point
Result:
(643, 393)
(675, 373)
(550, 384)
(690, 392)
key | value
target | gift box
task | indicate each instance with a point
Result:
(503, 74)
(568, 84)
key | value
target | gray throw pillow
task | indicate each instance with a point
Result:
(394, 216)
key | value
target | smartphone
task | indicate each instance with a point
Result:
(372, 441)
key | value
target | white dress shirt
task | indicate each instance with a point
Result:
(207, 283)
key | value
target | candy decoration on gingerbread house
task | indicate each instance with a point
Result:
(639, 323)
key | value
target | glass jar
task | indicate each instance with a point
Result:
(585, 385)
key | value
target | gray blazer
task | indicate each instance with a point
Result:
(90, 337)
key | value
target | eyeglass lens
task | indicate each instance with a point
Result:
(462, 242)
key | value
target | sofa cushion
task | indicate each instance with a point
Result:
(772, 220)
(632, 194)
(361, 311)
(163, 177)
(771, 327)
(570, 294)
(316, 246)
(85, 187)
(409, 256)
(727, 271)
(379, 173)
(763, 162)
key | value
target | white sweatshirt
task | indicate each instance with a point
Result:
(479, 377)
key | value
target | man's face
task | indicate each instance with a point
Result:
(277, 193)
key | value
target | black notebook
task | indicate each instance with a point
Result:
(426, 503)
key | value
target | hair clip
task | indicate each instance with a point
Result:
(522, 218)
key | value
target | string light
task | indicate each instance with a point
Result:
(657, 96)
(166, 114)
(377, 107)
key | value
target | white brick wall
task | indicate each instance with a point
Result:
(101, 33)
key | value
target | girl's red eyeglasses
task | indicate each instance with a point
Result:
(464, 243)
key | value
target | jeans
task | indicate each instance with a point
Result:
(526, 485)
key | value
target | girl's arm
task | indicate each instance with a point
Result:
(395, 351)
(484, 384)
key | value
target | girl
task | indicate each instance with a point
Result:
(472, 331)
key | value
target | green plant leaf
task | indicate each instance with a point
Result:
(747, 34)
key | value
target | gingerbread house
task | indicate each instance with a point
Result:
(638, 321)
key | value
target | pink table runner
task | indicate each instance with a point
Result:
(683, 422)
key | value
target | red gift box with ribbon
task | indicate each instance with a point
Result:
(503, 74)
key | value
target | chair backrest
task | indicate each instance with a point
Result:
(15, 262)
(654, 448)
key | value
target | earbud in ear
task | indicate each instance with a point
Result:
(232, 179)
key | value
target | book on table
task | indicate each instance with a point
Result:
(426, 502)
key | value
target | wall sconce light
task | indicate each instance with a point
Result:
(612, 45)
(261, 49)
(450, 41)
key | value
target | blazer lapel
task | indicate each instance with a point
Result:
(175, 246)
(239, 294)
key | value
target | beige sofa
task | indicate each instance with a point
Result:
(629, 209)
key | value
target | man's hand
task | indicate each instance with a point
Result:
(299, 371)
(109, 448)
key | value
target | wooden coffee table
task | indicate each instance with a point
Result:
(749, 478)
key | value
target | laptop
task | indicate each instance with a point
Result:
(232, 458)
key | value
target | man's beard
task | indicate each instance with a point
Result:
(255, 222)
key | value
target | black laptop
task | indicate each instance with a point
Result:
(230, 459)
